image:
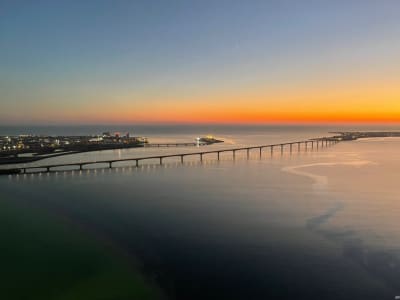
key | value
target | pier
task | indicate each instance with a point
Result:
(318, 143)
(158, 145)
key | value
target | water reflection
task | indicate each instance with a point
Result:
(320, 225)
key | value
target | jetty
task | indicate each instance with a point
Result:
(137, 161)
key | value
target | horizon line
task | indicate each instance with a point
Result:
(169, 123)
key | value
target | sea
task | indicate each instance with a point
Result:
(315, 223)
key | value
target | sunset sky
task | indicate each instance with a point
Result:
(120, 62)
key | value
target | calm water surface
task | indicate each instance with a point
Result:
(312, 225)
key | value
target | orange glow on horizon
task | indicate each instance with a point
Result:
(247, 117)
(319, 104)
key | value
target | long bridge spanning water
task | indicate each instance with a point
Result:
(293, 146)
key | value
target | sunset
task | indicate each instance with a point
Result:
(203, 61)
(197, 149)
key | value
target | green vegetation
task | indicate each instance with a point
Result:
(44, 256)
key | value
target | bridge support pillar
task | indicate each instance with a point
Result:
(234, 154)
(298, 146)
(160, 160)
(181, 159)
(312, 144)
(272, 150)
(248, 153)
(110, 164)
(137, 163)
(201, 157)
(260, 151)
(291, 146)
(218, 155)
(48, 169)
(81, 167)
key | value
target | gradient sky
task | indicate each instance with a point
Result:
(199, 61)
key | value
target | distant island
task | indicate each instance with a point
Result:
(354, 135)
(209, 139)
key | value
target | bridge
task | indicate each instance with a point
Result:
(293, 146)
